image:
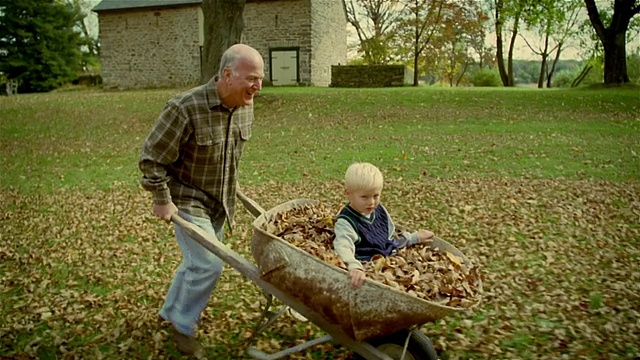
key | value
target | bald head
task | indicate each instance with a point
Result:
(240, 75)
(236, 52)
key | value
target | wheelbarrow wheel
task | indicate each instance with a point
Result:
(419, 347)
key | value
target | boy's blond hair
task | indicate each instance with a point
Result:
(363, 176)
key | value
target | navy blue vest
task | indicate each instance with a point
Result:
(373, 233)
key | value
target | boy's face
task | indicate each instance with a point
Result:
(364, 201)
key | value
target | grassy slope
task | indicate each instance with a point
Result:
(445, 133)
(91, 140)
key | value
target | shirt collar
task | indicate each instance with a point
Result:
(213, 98)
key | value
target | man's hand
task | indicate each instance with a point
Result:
(165, 211)
(357, 277)
(425, 236)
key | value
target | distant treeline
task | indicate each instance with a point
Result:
(527, 71)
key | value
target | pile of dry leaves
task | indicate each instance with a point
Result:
(426, 272)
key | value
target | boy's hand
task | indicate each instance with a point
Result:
(425, 236)
(357, 277)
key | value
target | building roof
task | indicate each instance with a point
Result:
(106, 5)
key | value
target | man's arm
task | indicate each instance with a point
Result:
(161, 148)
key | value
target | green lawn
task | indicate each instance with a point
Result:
(541, 188)
(91, 139)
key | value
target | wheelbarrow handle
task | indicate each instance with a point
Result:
(252, 206)
(211, 243)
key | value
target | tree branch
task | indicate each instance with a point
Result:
(529, 45)
(594, 17)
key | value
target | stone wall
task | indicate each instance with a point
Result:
(328, 39)
(279, 25)
(150, 48)
(316, 27)
(370, 75)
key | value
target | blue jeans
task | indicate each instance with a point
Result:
(196, 277)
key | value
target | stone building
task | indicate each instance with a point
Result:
(158, 43)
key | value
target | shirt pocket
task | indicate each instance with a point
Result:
(206, 136)
(209, 146)
(245, 132)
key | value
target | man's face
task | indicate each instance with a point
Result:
(364, 201)
(245, 81)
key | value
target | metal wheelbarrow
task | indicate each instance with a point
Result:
(375, 321)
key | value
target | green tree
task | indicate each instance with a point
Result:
(507, 16)
(614, 36)
(39, 47)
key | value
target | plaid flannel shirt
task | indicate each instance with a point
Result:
(192, 153)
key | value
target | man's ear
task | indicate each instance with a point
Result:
(226, 73)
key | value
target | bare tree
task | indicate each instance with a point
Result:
(554, 21)
(223, 27)
(421, 20)
(569, 29)
(83, 8)
(373, 21)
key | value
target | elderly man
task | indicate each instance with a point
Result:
(189, 162)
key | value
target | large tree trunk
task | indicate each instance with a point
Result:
(223, 27)
(614, 38)
(615, 58)
(500, 59)
(543, 71)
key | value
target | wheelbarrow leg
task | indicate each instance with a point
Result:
(257, 354)
(267, 318)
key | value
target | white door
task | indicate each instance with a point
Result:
(284, 67)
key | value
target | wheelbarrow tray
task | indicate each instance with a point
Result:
(370, 311)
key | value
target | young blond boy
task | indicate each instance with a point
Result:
(364, 227)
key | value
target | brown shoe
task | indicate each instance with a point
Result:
(188, 345)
